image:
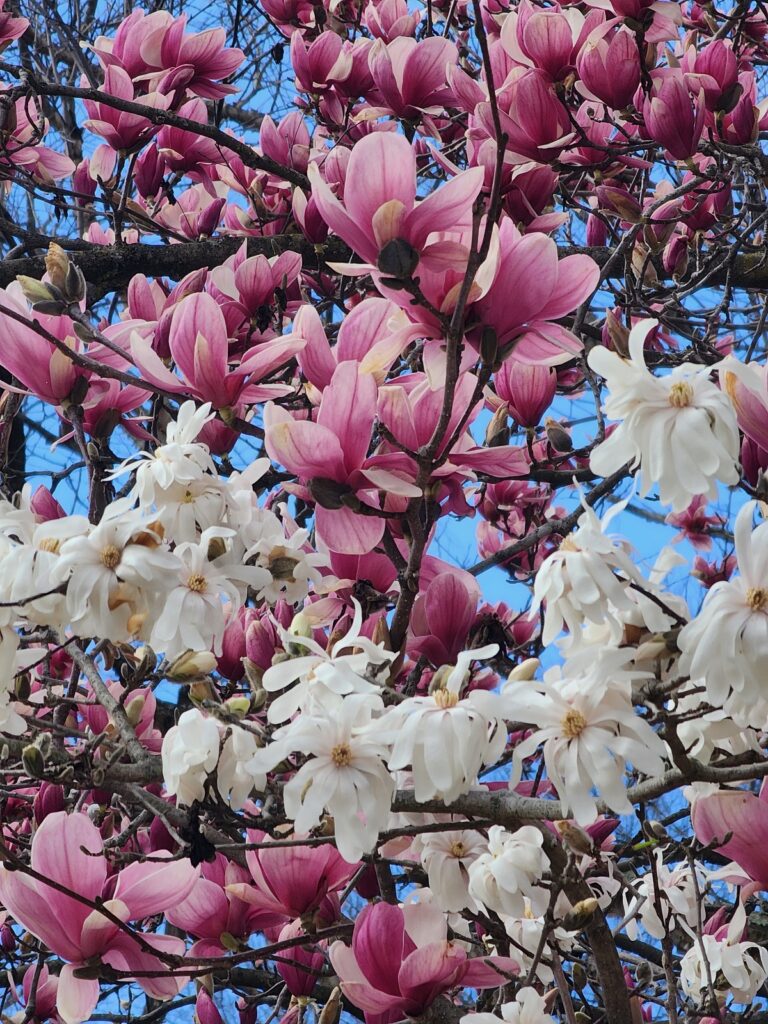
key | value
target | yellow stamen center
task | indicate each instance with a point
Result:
(757, 598)
(197, 583)
(50, 544)
(341, 755)
(110, 556)
(573, 724)
(458, 849)
(680, 394)
(446, 699)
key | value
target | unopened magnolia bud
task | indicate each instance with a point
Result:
(558, 436)
(238, 706)
(74, 285)
(33, 762)
(618, 334)
(301, 625)
(381, 635)
(38, 291)
(254, 674)
(331, 1012)
(579, 975)
(497, 431)
(644, 973)
(398, 259)
(7, 939)
(489, 346)
(190, 665)
(655, 830)
(134, 709)
(201, 691)
(57, 266)
(525, 671)
(580, 914)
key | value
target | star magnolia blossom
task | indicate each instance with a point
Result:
(445, 739)
(737, 968)
(528, 1008)
(323, 673)
(447, 857)
(579, 580)
(665, 896)
(589, 732)
(727, 643)
(508, 874)
(680, 429)
(345, 775)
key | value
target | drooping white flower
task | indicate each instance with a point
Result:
(526, 932)
(236, 776)
(726, 644)
(665, 897)
(679, 429)
(189, 753)
(323, 673)
(12, 660)
(579, 581)
(446, 739)
(528, 1007)
(737, 968)
(507, 875)
(345, 775)
(447, 858)
(589, 730)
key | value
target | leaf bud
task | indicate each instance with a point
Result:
(580, 914)
(190, 665)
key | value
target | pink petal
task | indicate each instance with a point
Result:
(76, 998)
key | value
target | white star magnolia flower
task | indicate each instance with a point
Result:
(112, 573)
(526, 932)
(12, 660)
(446, 739)
(669, 890)
(447, 858)
(322, 673)
(726, 645)
(737, 968)
(507, 875)
(579, 580)
(194, 612)
(189, 753)
(345, 775)
(680, 429)
(589, 731)
(291, 566)
(528, 1008)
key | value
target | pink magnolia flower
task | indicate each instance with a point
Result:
(321, 64)
(287, 142)
(67, 849)
(156, 49)
(694, 523)
(743, 816)
(25, 126)
(380, 204)
(299, 966)
(546, 39)
(333, 450)
(293, 881)
(411, 76)
(443, 616)
(527, 389)
(124, 132)
(10, 28)
(545, 290)
(388, 19)
(673, 116)
(400, 961)
(609, 65)
(44, 994)
(199, 344)
(215, 915)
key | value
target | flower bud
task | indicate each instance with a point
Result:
(525, 671)
(398, 259)
(41, 296)
(580, 914)
(190, 665)
(57, 266)
(134, 708)
(331, 1012)
(238, 706)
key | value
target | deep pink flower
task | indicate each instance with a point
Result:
(124, 132)
(673, 116)
(400, 961)
(67, 848)
(527, 388)
(411, 76)
(299, 966)
(609, 64)
(743, 816)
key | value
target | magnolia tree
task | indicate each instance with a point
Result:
(325, 324)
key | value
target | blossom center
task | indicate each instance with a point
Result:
(50, 544)
(341, 755)
(680, 394)
(446, 698)
(757, 598)
(110, 556)
(573, 724)
(197, 583)
(458, 849)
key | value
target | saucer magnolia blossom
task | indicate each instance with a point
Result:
(742, 816)
(380, 204)
(67, 849)
(400, 961)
